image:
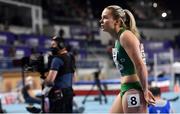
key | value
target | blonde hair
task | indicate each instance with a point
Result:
(126, 17)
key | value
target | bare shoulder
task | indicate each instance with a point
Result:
(128, 38)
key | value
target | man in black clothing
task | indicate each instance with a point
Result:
(60, 78)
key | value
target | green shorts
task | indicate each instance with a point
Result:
(127, 86)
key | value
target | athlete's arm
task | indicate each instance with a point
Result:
(131, 45)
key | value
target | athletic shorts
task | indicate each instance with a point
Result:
(127, 86)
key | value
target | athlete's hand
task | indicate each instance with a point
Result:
(149, 97)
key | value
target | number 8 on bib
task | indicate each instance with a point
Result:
(133, 100)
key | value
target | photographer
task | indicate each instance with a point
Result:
(28, 94)
(58, 83)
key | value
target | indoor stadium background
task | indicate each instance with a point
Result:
(26, 27)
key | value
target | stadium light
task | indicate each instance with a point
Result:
(164, 14)
(155, 5)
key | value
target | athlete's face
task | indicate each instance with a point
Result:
(107, 21)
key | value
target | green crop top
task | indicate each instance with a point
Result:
(121, 58)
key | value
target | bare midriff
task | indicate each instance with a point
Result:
(129, 78)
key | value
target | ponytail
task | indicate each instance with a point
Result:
(130, 23)
(126, 18)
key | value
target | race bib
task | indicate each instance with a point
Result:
(143, 55)
(133, 100)
(114, 54)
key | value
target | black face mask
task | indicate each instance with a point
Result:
(54, 50)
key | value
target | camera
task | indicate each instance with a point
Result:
(34, 62)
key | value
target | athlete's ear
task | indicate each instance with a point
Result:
(118, 21)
